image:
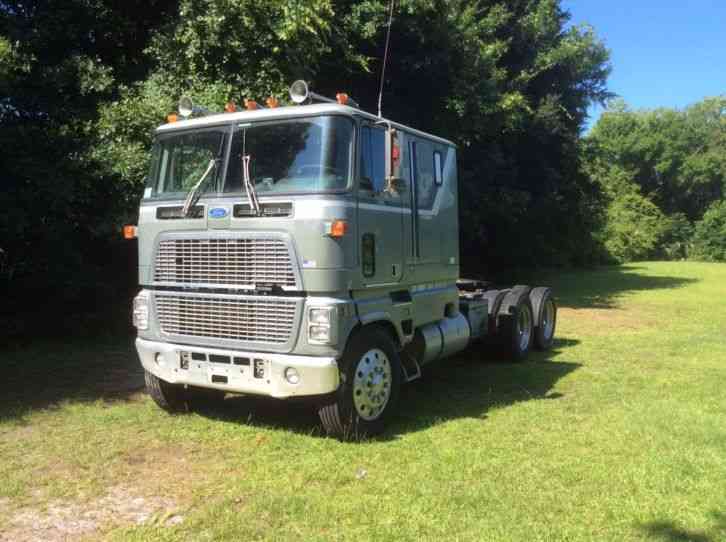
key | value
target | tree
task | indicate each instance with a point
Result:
(709, 239)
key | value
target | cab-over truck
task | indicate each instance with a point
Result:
(309, 250)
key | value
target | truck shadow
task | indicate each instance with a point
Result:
(464, 386)
(468, 385)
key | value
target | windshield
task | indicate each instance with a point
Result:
(179, 161)
(301, 155)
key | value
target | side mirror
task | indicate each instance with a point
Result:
(395, 185)
(394, 182)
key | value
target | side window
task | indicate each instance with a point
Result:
(426, 185)
(372, 159)
(438, 173)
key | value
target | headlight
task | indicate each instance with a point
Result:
(320, 316)
(319, 334)
(320, 320)
(141, 311)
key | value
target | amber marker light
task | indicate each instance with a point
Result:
(272, 102)
(338, 228)
(230, 107)
(130, 232)
(172, 117)
(342, 98)
(251, 105)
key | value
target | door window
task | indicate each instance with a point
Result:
(373, 160)
(426, 186)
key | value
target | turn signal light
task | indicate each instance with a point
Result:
(272, 102)
(130, 232)
(251, 105)
(338, 228)
(342, 98)
(230, 107)
(172, 117)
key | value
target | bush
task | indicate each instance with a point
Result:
(634, 229)
(677, 238)
(709, 239)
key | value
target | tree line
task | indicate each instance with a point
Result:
(83, 83)
(663, 174)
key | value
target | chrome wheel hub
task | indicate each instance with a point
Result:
(372, 384)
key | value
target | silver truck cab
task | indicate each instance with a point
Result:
(318, 257)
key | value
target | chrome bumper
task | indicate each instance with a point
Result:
(181, 364)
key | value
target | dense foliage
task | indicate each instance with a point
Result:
(660, 171)
(86, 81)
(709, 238)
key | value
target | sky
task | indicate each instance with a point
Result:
(667, 53)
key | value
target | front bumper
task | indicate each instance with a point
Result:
(264, 374)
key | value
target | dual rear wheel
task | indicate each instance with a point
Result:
(526, 319)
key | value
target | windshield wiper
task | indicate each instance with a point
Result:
(249, 185)
(195, 193)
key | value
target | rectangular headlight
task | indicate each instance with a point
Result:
(320, 325)
(141, 311)
(319, 334)
(319, 316)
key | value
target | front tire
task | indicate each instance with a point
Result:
(170, 397)
(370, 374)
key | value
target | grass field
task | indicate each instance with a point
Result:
(618, 434)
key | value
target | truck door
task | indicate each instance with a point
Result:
(380, 213)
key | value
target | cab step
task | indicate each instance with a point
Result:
(411, 368)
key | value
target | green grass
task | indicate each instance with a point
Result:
(619, 433)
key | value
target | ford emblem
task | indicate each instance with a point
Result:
(218, 212)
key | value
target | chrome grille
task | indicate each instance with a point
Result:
(250, 320)
(224, 262)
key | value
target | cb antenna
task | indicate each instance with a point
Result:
(385, 57)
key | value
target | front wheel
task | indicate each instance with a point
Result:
(370, 374)
(170, 397)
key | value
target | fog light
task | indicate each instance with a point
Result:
(159, 358)
(291, 375)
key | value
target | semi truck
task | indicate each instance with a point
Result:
(309, 251)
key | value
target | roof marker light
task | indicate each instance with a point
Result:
(272, 102)
(172, 117)
(342, 98)
(230, 107)
(251, 105)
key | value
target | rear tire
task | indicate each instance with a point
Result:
(370, 374)
(170, 397)
(494, 300)
(516, 325)
(545, 317)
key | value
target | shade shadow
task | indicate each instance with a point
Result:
(600, 289)
(44, 375)
(670, 531)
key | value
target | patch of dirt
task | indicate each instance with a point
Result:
(63, 520)
(605, 321)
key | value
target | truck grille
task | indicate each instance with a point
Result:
(243, 262)
(250, 320)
